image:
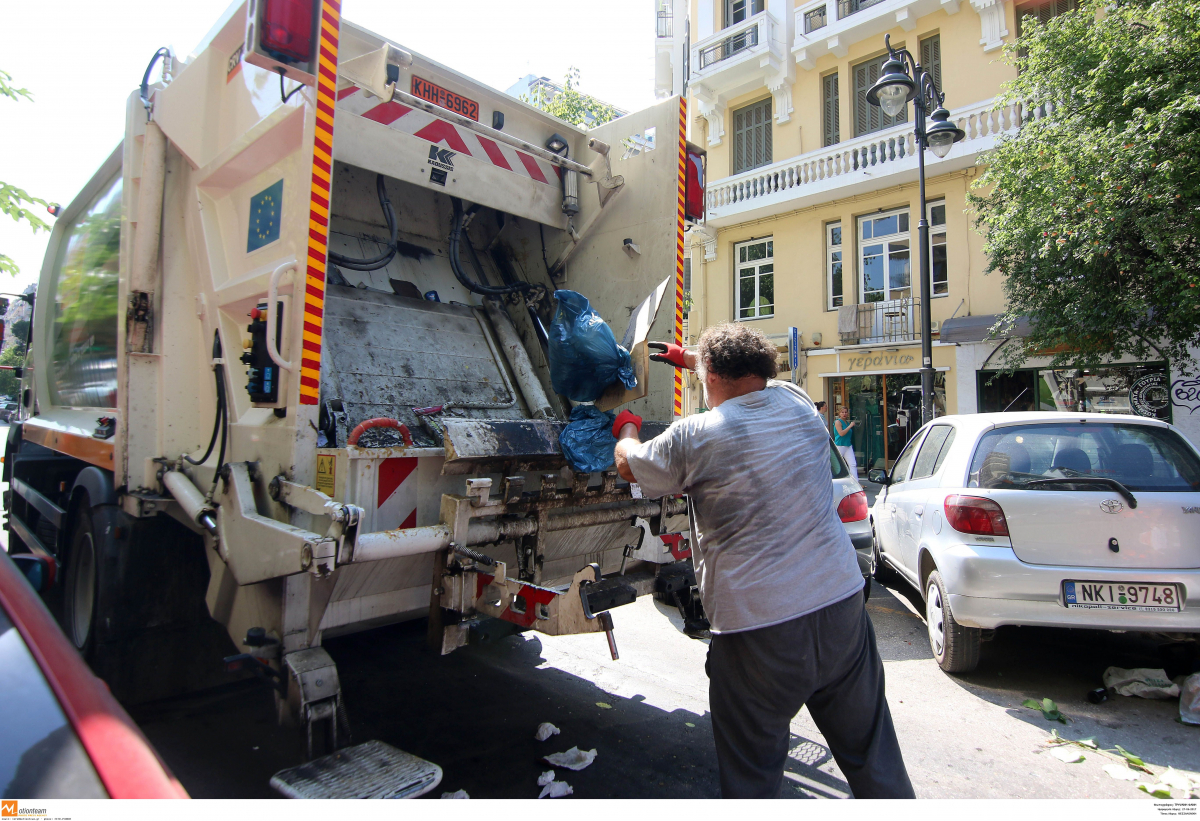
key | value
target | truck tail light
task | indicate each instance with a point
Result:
(976, 515)
(693, 186)
(853, 508)
(287, 28)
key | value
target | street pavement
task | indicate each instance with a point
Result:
(475, 712)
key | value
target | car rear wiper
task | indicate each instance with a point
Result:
(1126, 494)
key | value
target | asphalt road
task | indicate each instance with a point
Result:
(475, 712)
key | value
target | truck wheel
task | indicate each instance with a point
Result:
(955, 647)
(83, 570)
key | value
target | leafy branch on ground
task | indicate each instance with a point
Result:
(1047, 707)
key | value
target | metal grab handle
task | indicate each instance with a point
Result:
(272, 299)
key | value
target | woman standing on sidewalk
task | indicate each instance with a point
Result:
(843, 438)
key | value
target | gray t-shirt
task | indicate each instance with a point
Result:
(757, 471)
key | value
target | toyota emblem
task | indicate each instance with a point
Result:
(1111, 506)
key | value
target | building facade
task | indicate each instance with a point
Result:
(813, 207)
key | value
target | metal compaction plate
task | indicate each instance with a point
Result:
(369, 770)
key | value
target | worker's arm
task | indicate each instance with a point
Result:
(672, 354)
(841, 430)
(626, 429)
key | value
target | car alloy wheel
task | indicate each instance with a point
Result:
(935, 617)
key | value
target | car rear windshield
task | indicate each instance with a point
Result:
(1140, 457)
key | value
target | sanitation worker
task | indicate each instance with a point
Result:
(777, 573)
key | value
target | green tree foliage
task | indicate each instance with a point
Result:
(15, 201)
(1092, 214)
(12, 355)
(571, 104)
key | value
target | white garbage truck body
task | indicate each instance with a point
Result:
(289, 371)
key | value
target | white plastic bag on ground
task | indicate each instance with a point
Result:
(1141, 681)
(556, 789)
(1189, 700)
(458, 794)
(545, 778)
(545, 730)
(573, 759)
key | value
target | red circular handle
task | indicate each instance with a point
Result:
(363, 427)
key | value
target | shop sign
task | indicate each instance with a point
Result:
(1148, 395)
(879, 361)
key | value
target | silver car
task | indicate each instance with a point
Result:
(852, 509)
(1052, 519)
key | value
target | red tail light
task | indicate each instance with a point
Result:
(976, 515)
(694, 184)
(854, 507)
(287, 28)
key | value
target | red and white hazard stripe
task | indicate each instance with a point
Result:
(422, 124)
(396, 499)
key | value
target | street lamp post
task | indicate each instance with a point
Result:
(892, 93)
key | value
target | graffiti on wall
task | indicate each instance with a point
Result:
(1185, 393)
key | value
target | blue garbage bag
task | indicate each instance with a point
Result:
(584, 355)
(587, 440)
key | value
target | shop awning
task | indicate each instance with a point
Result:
(978, 328)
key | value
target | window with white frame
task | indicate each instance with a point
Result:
(755, 265)
(939, 271)
(835, 285)
(885, 270)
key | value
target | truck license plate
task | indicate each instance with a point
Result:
(446, 98)
(1147, 598)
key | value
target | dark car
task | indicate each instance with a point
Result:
(8, 411)
(65, 736)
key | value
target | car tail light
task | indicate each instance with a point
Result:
(976, 515)
(853, 507)
(287, 28)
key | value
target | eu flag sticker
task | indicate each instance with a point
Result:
(265, 207)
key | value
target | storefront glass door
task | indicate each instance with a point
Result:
(888, 410)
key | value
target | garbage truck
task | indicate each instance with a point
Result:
(289, 365)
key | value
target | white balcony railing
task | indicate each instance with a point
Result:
(865, 161)
(833, 26)
(751, 36)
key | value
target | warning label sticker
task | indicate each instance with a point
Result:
(326, 472)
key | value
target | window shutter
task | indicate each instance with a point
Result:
(752, 136)
(832, 129)
(931, 58)
(870, 118)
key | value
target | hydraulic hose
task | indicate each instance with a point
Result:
(377, 262)
(455, 239)
(212, 442)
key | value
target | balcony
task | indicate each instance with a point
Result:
(845, 22)
(737, 59)
(868, 323)
(663, 27)
(857, 166)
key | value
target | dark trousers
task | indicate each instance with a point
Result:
(759, 679)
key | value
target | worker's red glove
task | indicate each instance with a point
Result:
(623, 418)
(670, 353)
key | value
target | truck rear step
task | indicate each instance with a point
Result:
(369, 770)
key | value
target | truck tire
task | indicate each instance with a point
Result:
(955, 647)
(82, 582)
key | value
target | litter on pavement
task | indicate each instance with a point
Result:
(545, 730)
(556, 789)
(545, 778)
(1140, 681)
(573, 759)
(456, 794)
(1189, 700)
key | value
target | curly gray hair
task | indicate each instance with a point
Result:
(733, 351)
